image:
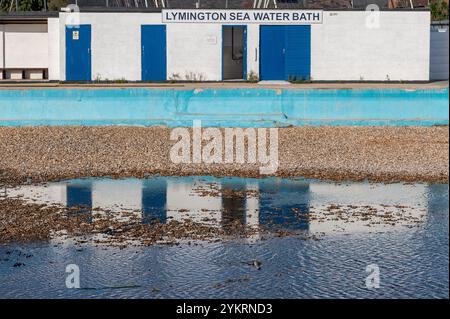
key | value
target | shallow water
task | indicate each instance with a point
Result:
(412, 255)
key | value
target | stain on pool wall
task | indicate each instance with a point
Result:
(224, 107)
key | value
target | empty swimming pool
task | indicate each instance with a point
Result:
(223, 107)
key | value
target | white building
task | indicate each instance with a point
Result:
(216, 45)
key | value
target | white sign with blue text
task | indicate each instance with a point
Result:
(242, 16)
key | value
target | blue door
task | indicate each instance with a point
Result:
(272, 52)
(298, 52)
(153, 52)
(78, 53)
(285, 52)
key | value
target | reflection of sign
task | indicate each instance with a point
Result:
(211, 39)
(75, 35)
(242, 16)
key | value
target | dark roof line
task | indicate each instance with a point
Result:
(27, 17)
(29, 14)
(42, 15)
(123, 9)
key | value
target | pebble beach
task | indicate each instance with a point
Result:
(379, 154)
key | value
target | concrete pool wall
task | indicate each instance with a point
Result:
(224, 107)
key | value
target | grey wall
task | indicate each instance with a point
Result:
(439, 55)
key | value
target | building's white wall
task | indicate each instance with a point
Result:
(115, 43)
(1, 47)
(194, 51)
(62, 46)
(53, 48)
(345, 48)
(342, 48)
(116, 46)
(197, 49)
(26, 46)
(252, 49)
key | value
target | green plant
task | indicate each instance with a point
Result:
(56, 5)
(31, 5)
(175, 77)
(121, 80)
(252, 77)
(99, 79)
(295, 79)
(194, 77)
(439, 10)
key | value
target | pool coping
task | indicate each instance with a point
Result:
(229, 85)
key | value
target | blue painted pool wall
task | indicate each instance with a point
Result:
(224, 107)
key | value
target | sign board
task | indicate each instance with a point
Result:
(211, 39)
(75, 35)
(242, 16)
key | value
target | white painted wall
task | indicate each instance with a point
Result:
(53, 48)
(1, 47)
(115, 43)
(253, 49)
(345, 48)
(116, 46)
(26, 46)
(194, 50)
(342, 48)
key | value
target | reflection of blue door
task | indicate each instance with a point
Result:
(292, 199)
(153, 52)
(154, 200)
(78, 53)
(79, 195)
(285, 52)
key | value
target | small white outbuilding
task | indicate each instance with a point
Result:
(216, 45)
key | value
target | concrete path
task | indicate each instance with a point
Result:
(229, 85)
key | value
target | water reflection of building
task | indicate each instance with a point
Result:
(233, 204)
(79, 194)
(226, 202)
(153, 200)
(409, 200)
(196, 200)
(285, 203)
